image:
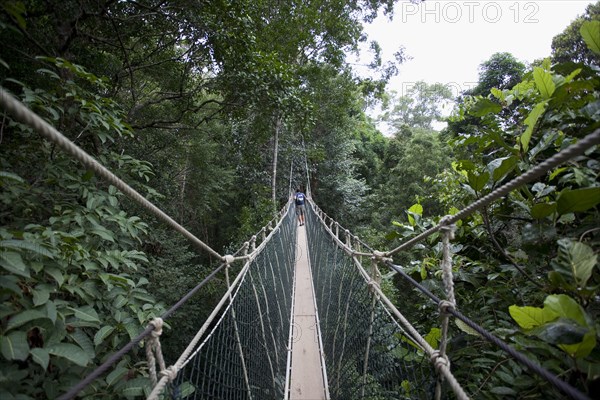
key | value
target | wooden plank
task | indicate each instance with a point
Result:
(306, 382)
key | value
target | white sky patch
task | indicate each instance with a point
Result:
(447, 40)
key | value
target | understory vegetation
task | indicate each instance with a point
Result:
(214, 111)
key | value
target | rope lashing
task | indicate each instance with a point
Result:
(28, 117)
(153, 348)
(447, 230)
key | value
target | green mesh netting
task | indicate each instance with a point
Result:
(260, 312)
(351, 321)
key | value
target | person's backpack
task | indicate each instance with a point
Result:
(299, 199)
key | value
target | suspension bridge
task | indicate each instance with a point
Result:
(305, 316)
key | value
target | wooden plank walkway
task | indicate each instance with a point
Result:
(307, 380)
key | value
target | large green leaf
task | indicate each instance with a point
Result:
(41, 357)
(578, 200)
(500, 167)
(14, 346)
(86, 313)
(23, 317)
(13, 263)
(531, 317)
(575, 261)
(582, 349)
(542, 210)
(561, 331)
(530, 121)
(590, 31)
(477, 182)
(543, 82)
(485, 106)
(25, 245)
(102, 334)
(415, 209)
(70, 352)
(565, 306)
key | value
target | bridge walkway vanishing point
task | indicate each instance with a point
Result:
(308, 379)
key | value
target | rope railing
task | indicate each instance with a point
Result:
(191, 351)
(22, 113)
(438, 360)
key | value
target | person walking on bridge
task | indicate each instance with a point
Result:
(299, 199)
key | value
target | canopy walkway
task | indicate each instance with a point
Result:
(305, 316)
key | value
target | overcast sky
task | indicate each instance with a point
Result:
(447, 40)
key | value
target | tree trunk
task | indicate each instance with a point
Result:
(274, 177)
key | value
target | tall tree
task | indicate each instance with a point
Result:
(570, 46)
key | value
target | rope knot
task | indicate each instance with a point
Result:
(439, 360)
(447, 227)
(445, 306)
(158, 325)
(228, 259)
(170, 373)
(381, 256)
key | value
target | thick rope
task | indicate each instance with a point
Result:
(564, 155)
(446, 266)
(153, 347)
(28, 117)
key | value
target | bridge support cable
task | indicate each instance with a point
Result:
(213, 366)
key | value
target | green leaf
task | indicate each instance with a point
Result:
(582, 349)
(23, 244)
(565, 306)
(56, 274)
(11, 176)
(86, 313)
(485, 106)
(14, 346)
(503, 390)
(102, 334)
(590, 31)
(41, 357)
(575, 261)
(477, 182)
(530, 121)
(531, 317)
(542, 210)
(543, 82)
(465, 328)
(578, 200)
(24, 317)
(414, 209)
(70, 352)
(500, 167)
(12, 262)
(433, 337)
(561, 331)
(41, 294)
(103, 233)
(135, 387)
(116, 375)
(82, 339)
(187, 389)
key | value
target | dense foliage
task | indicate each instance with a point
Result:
(212, 110)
